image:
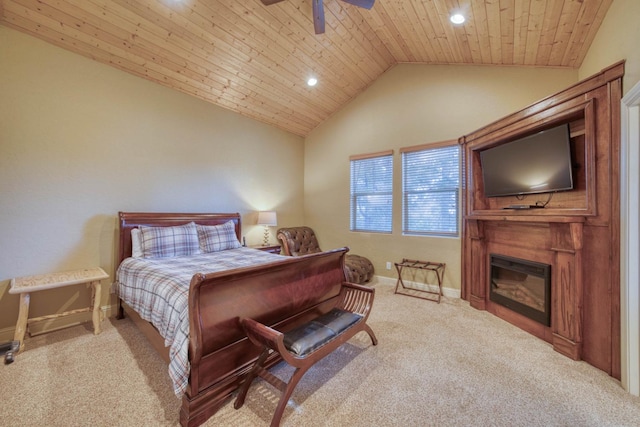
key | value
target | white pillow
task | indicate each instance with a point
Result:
(214, 238)
(136, 243)
(164, 242)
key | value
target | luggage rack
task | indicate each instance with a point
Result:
(415, 266)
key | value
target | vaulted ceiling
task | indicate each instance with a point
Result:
(255, 59)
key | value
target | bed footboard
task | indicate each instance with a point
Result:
(282, 295)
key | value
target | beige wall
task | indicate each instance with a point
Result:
(617, 39)
(409, 105)
(80, 141)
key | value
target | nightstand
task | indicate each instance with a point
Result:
(274, 249)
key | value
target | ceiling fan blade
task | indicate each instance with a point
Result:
(268, 2)
(318, 16)
(367, 4)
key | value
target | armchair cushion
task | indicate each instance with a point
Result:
(358, 269)
(298, 241)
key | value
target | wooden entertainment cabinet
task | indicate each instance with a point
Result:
(577, 233)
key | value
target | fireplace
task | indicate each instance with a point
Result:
(522, 286)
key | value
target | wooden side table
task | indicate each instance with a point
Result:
(28, 284)
(274, 249)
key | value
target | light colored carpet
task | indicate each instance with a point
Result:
(435, 365)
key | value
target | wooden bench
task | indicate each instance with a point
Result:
(25, 286)
(308, 343)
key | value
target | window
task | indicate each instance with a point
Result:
(430, 189)
(371, 192)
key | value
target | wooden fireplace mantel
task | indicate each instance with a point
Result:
(558, 243)
(576, 233)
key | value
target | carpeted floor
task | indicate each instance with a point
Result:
(435, 365)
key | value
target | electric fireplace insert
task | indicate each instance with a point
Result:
(522, 286)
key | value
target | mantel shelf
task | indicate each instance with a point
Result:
(501, 216)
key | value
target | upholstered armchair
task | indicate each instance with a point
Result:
(298, 241)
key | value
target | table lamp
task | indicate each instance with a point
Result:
(267, 218)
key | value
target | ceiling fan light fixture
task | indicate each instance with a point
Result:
(312, 81)
(457, 18)
(318, 10)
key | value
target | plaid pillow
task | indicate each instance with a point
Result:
(163, 242)
(214, 238)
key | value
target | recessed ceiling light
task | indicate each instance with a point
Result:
(457, 18)
(312, 81)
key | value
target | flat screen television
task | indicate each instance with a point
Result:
(539, 163)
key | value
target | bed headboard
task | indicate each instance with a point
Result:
(131, 220)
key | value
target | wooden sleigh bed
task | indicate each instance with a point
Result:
(282, 294)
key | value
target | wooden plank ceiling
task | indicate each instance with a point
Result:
(255, 59)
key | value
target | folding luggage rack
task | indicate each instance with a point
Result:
(415, 266)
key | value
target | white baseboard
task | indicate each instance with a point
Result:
(447, 292)
(50, 325)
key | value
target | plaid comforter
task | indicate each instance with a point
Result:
(158, 290)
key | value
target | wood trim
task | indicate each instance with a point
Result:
(615, 97)
(630, 244)
(567, 291)
(501, 216)
(590, 156)
(371, 155)
(567, 112)
(524, 323)
(615, 71)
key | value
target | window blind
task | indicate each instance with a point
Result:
(430, 191)
(371, 194)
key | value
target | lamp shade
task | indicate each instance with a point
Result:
(267, 218)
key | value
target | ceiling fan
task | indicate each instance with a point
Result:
(318, 10)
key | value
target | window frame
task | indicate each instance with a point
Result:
(354, 195)
(457, 190)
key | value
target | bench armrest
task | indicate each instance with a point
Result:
(363, 288)
(262, 335)
(356, 298)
